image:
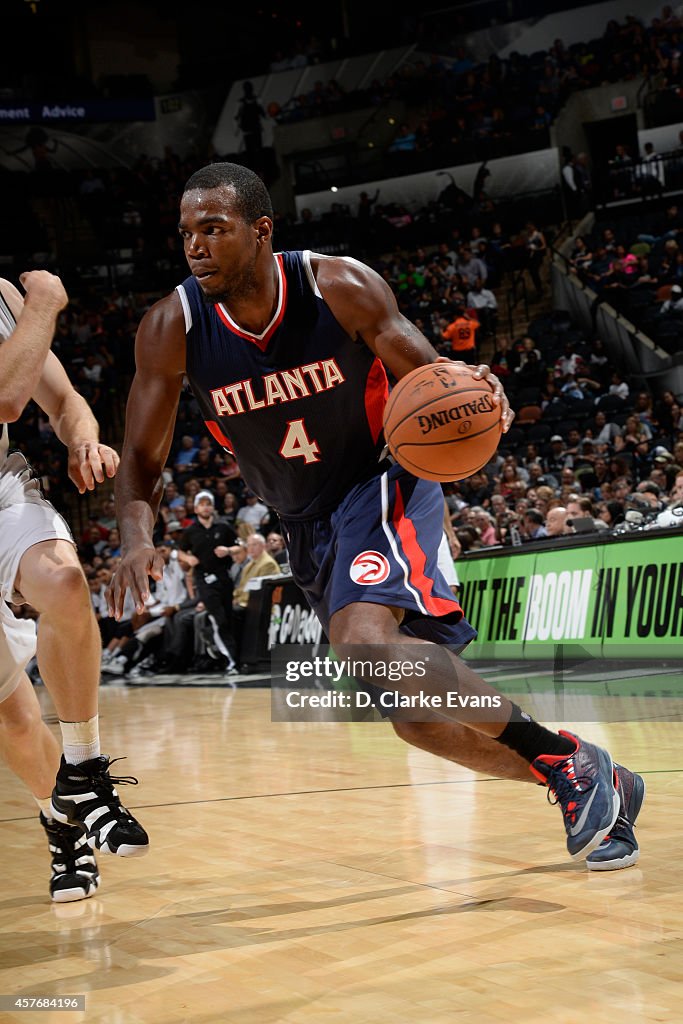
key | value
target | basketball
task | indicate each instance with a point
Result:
(440, 424)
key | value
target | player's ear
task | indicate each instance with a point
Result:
(264, 230)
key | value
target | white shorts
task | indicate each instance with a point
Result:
(446, 563)
(26, 518)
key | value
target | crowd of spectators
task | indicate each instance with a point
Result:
(455, 100)
(589, 450)
(636, 264)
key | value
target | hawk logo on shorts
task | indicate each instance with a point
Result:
(369, 568)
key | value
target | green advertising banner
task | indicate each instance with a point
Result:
(619, 598)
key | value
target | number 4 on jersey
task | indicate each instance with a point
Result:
(297, 444)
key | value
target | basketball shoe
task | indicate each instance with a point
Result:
(85, 795)
(74, 868)
(583, 785)
(619, 849)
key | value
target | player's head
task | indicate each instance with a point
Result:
(250, 197)
(226, 223)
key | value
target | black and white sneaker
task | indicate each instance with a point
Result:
(74, 868)
(85, 796)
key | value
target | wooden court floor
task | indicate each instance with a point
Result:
(314, 873)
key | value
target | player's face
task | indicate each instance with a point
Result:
(220, 247)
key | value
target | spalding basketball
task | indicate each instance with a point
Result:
(440, 424)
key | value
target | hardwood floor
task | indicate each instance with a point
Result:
(312, 873)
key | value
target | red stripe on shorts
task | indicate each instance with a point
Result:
(417, 561)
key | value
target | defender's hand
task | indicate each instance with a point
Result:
(45, 288)
(88, 463)
(483, 372)
(132, 573)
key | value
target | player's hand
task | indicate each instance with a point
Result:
(454, 545)
(483, 372)
(44, 288)
(89, 461)
(132, 573)
(221, 551)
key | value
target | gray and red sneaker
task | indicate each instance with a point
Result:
(583, 785)
(619, 848)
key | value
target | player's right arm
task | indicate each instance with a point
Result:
(23, 354)
(150, 418)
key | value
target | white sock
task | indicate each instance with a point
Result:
(81, 740)
(45, 806)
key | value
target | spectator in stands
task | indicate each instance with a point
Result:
(251, 516)
(611, 513)
(672, 515)
(531, 373)
(484, 522)
(620, 176)
(205, 548)
(169, 595)
(276, 548)
(461, 332)
(533, 525)
(259, 564)
(581, 255)
(556, 522)
(651, 170)
(405, 141)
(505, 359)
(486, 305)
(674, 304)
(634, 432)
(509, 477)
(239, 556)
(582, 508)
(536, 248)
(470, 267)
(250, 114)
(186, 458)
(619, 387)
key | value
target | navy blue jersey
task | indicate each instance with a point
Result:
(300, 404)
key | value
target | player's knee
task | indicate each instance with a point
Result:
(19, 720)
(64, 591)
(418, 734)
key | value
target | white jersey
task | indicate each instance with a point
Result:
(26, 519)
(17, 485)
(7, 325)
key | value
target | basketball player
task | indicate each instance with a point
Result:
(285, 354)
(39, 566)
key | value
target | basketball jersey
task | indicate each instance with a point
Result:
(7, 325)
(300, 404)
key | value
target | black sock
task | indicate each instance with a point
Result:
(529, 739)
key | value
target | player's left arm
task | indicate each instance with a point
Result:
(364, 304)
(75, 426)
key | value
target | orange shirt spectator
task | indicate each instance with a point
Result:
(461, 333)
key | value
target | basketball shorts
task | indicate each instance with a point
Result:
(26, 518)
(381, 546)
